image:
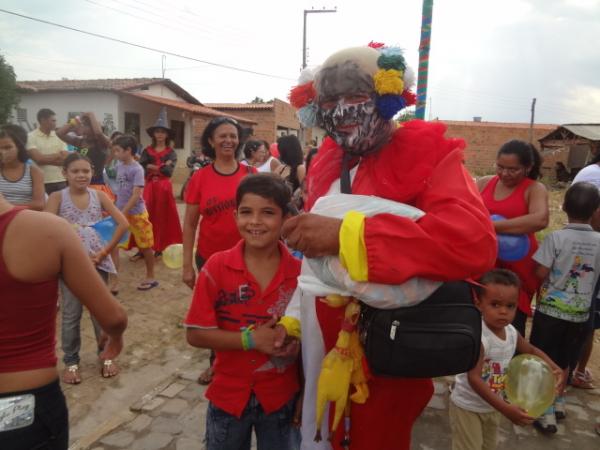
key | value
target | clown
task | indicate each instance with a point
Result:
(354, 96)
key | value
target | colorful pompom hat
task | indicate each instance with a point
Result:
(391, 76)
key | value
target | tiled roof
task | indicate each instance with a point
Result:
(194, 109)
(109, 84)
(115, 84)
(241, 106)
(468, 123)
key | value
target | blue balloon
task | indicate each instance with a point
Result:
(106, 229)
(511, 247)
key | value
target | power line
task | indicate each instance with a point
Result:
(121, 41)
(73, 62)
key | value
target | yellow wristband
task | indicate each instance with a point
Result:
(291, 325)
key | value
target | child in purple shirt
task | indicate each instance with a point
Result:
(130, 180)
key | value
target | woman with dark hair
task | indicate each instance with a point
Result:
(85, 134)
(22, 184)
(255, 153)
(292, 168)
(515, 194)
(211, 196)
(269, 162)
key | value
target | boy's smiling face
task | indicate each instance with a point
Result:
(259, 221)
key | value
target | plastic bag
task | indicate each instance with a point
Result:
(325, 276)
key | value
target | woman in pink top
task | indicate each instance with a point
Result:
(34, 412)
(515, 194)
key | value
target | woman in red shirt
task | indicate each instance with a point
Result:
(34, 411)
(515, 194)
(211, 196)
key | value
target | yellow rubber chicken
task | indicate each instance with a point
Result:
(342, 366)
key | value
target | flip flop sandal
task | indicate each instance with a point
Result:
(147, 285)
(136, 257)
(73, 371)
(106, 366)
(205, 377)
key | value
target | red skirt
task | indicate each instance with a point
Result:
(160, 203)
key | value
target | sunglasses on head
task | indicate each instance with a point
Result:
(222, 120)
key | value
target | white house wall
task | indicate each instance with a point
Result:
(148, 112)
(159, 90)
(103, 104)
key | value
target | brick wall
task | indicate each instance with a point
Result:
(485, 138)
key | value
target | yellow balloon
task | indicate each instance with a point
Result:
(172, 256)
(530, 384)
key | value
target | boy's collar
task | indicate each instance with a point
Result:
(578, 226)
(235, 259)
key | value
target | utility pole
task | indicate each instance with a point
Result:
(531, 123)
(306, 12)
(426, 18)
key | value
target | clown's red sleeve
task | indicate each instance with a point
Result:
(453, 241)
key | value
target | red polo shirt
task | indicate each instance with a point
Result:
(228, 297)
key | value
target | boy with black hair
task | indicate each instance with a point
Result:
(476, 400)
(130, 178)
(569, 263)
(239, 295)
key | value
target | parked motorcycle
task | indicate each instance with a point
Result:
(194, 163)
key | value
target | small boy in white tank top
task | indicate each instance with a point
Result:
(476, 403)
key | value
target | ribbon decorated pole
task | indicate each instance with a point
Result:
(424, 45)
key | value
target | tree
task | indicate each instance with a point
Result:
(9, 97)
(257, 100)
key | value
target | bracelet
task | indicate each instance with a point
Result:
(247, 340)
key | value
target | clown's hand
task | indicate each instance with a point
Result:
(287, 337)
(313, 235)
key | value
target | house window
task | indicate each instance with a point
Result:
(21, 115)
(178, 128)
(132, 124)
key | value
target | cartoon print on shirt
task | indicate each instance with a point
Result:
(578, 270)
(493, 375)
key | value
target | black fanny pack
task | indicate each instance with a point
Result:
(439, 336)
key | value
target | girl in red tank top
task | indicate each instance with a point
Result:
(514, 194)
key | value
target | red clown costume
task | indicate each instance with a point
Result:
(454, 240)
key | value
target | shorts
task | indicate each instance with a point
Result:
(471, 430)
(50, 427)
(560, 339)
(104, 188)
(141, 230)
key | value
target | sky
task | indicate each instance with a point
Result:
(489, 58)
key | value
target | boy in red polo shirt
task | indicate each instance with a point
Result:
(238, 297)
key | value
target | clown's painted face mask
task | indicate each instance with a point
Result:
(353, 123)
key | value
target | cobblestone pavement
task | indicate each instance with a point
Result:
(172, 416)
